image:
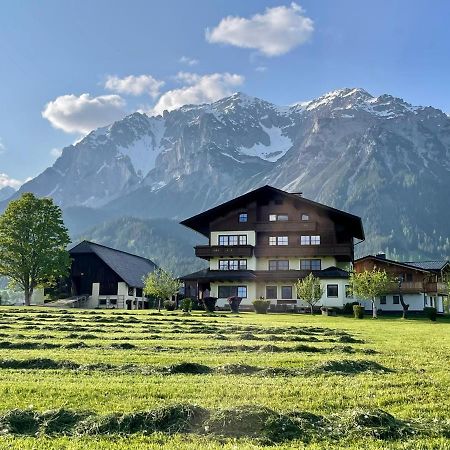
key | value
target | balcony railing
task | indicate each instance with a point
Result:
(436, 288)
(215, 251)
(304, 250)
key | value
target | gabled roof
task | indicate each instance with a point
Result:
(391, 261)
(131, 268)
(200, 222)
(429, 265)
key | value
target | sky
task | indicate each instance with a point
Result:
(67, 67)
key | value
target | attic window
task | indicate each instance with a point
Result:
(305, 217)
(243, 217)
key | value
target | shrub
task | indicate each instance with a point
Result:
(234, 303)
(186, 305)
(348, 307)
(209, 303)
(431, 313)
(358, 311)
(169, 305)
(261, 306)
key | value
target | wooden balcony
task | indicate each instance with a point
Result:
(436, 288)
(408, 287)
(220, 251)
(344, 250)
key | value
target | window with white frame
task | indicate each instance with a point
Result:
(310, 264)
(243, 217)
(282, 240)
(278, 217)
(286, 292)
(315, 240)
(232, 291)
(272, 217)
(332, 290)
(305, 240)
(271, 292)
(279, 264)
(272, 240)
(225, 239)
(232, 264)
(305, 217)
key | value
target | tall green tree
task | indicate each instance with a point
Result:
(33, 241)
(369, 285)
(162, 285)
(309, 290)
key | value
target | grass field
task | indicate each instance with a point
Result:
(143, 380)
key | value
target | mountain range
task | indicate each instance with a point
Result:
(378, 157)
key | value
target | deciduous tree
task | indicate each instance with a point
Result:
(309, 290)
(369, 285)
(33, 241)
(161, 285)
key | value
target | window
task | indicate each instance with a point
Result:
(310, 264)
(232, 264)
(130, 291)
(243, 217)
(396, 299)
(348, 291)
(305, 240)
(305, 217)
(315, 240)
(278, 240)
(242, 291)
(232, 291)
(279, 264)
(233, 239)
(382, 299)
(271, 292)
(286, 292)
(279, 217)
(409, 277)
(332, 290)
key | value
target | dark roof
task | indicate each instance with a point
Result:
(200, 222)
(131, 268)
(429, 265)
(250, 275)
(391, 261)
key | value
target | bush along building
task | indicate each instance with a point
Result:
(262, 242)
(103, 277)
(422, 284)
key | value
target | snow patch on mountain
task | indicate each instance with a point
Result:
(279, 144)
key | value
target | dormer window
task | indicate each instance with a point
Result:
(243, 217)
(305, 217)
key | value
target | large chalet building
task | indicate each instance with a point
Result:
(421, 283)
(262, 242)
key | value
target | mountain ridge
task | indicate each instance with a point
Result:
(378, 157)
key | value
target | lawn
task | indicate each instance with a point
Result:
(143, 380)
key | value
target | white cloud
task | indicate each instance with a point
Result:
(134, 85)
(5, 180)
(275, 32)
(56, 152)
(198, 89)
(82, 114)
(188, 61)
(2, 146)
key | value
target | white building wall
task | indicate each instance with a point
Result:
(415, 302)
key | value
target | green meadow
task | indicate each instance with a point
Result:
(79, 379)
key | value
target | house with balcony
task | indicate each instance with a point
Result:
(103, 277)
(262, 242)
(421, 283)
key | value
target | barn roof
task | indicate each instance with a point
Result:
(131, 268)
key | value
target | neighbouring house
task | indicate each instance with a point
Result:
(103, 277)
(262, 242)
(421, 283)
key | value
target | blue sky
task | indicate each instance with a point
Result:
(150, 55)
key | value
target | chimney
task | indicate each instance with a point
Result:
(381, 255)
